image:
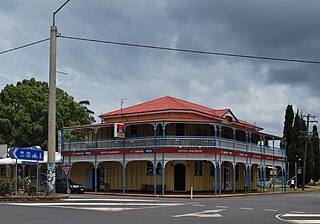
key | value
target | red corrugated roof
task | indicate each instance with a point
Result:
(164, 104)
(186, 120)
(169, 103)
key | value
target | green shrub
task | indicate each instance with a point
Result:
(6, 186)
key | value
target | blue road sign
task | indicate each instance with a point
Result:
(26, 154)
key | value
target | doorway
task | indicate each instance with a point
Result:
(179, 177)
(89, 179)
(226, 179)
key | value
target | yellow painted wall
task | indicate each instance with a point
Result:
(112, 174)
(199, 183)
(136, 175)
(78, 172)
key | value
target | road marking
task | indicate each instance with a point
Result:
(297, 212)
(111, 205)
(242, 208)
(301, 215)
(300, 218)
(203, 214)
(100, 204)
(220, 206)
(270, 210)
(198, 205)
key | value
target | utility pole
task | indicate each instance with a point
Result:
(305, 147)
(51, 167)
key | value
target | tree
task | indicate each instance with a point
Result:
(313, 164)
(288, 134)
(24, 113)
(288, 125)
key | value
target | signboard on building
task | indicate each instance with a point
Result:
(119, 130)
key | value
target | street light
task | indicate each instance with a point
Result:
(51, 174)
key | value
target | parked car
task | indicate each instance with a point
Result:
(62, 187)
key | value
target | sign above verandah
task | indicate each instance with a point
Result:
(119, 130)
(170, 150)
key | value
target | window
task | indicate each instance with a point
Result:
(134, 131)
(237, 172)
(251, 174)
(159, 169)
(198, 168)
(211, 169)
(149, 168)
(180, 129)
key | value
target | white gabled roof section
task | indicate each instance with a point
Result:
(229, 113)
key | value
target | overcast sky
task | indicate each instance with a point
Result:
(255, 90)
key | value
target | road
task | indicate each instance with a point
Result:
(283, 208)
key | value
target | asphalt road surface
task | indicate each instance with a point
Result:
(284, 208)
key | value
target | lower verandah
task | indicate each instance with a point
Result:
(178, 176)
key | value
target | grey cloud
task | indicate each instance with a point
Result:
(255, 90)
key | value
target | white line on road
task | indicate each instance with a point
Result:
(270, 210)
(242, 208)
(300, 215)
(220, 206)
(299, 218)
(297, 212)
(198, 205)
(98, 204)
(304, 221)
(203, 214)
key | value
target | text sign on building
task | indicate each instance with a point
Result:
(26, 154)
(119, 130)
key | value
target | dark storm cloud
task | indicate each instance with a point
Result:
(255, 90)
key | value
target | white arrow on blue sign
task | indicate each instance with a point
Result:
(26, 154)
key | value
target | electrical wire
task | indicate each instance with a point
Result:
(190, 51)
(23, 46)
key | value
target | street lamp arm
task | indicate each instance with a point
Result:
(54, 14)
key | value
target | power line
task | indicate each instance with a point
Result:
(23, 46)
(191, 51)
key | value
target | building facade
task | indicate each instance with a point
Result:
(171, 145)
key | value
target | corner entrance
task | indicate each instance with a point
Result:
(179, 177)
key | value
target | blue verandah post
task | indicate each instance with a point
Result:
(215, 174)
(246, 173)
(273, 166)
(234, 174)
(155, 135)
(154, 173)
(261, 167)
(162, 174)
(220, 175)
(124, 174)
(95, 174)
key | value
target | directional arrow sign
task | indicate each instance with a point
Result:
(26, 154)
